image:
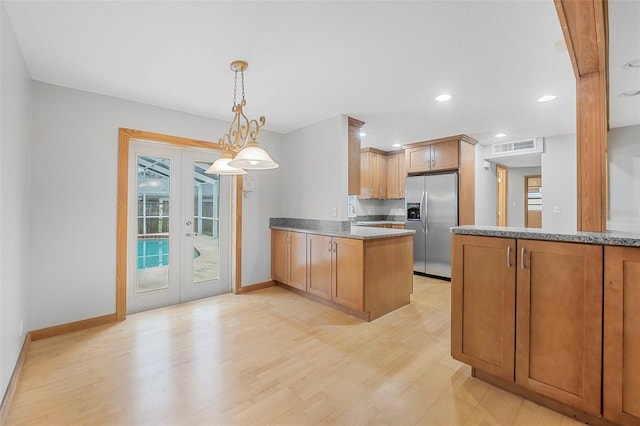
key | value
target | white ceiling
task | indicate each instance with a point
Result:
(380, 62)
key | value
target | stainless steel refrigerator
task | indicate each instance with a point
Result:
(432, 208)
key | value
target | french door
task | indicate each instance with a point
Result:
(178, 240)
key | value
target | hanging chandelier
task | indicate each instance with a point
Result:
(240, 150)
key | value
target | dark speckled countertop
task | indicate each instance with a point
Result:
(612, 238)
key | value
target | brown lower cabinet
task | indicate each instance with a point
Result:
(367, 278)
(622, 335)
(530, 313)
(335, 270)
(289, 258)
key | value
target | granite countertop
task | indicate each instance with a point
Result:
(613, 238)
(356, 232)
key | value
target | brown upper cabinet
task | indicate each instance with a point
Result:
(430, 158)
(373, 174)
(396, 174)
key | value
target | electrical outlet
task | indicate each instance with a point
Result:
(334, 211)
(556, 209)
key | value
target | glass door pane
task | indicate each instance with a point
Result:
(206, 200)
(153, 196)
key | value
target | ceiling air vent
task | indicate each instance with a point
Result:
(529, 146)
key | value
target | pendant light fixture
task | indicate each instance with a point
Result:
(239, 146)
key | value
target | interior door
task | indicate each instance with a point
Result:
(178, 238)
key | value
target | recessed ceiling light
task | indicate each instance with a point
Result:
(632, 64)
(363, 134)
(443, 98)
(546, 98)
(396, 145)
(501, 135)
(630, 93)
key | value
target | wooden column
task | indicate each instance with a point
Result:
(584, 25)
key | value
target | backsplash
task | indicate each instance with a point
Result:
(384, 208)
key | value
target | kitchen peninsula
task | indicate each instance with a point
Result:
(364, 271)
(551, 316)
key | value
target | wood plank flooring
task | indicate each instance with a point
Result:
(266, 357)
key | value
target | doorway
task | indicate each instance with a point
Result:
(533, 201)
(178, 242)
(501, 195)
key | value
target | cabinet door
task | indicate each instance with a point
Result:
(279, 256)
(559, 322)
(347, 286)
(622, 335)
(402, 174)
(393, 176)
(374, 174)
(298, 260)
(444, 156)
(483, 275)
(319, 255)
(365, 177)
(382, 176)
(418, 159)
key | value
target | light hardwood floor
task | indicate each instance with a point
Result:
(266, 357)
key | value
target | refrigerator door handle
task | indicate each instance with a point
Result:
(424, 211)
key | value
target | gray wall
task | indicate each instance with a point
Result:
(515, 196)
(74, 181)
(15, 263)
(485, 188)
(559, 184)
(315, 163)
(624, 179)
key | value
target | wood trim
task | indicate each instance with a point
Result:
(355, 122)
(461, 138)
(239, 195)
(257, 286)
(467, 184)
(70, 327)
(353, 157)
(585, 28)
(501, 203)
(371, 149)
(539, 399)
(13, 382)
(585, 32)
(361, 315)
(125, 136)
(591, 140)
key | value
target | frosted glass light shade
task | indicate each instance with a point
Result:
(253, 158)
(221, 167)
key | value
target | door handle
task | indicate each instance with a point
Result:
(508, 257)
(329, 246)
(522, 258)
(335, 245)
(426, 212)
(422, 212)
(189, 234)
